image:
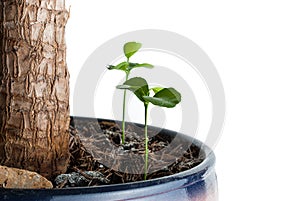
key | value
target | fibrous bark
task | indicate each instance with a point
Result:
(34, 86)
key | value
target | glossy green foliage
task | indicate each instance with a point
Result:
(164, 97)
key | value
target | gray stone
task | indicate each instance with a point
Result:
(80, 179)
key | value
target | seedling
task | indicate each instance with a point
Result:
(129, 49)
(163, 97)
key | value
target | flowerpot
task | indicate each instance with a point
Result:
(196, 184)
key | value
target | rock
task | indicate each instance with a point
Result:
(80, 179)
(17, 178)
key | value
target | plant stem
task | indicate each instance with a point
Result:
(124, 111)
(146, 142)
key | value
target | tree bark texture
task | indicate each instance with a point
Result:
(34, 86)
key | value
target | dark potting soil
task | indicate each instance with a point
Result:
(98, 156)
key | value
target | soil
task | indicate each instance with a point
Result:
(98, 156)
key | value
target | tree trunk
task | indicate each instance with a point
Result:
(34, 86)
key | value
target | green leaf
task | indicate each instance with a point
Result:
(137, 65)
(167, 97)
(131, 48)
(156, 89)
(121, 66)
(138, 86)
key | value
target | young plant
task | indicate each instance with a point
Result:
(163, 97)
(129, 49)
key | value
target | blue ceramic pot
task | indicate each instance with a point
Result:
(196, 184)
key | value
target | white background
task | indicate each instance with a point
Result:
(255, 46)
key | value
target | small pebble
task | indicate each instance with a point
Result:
(76, 179)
